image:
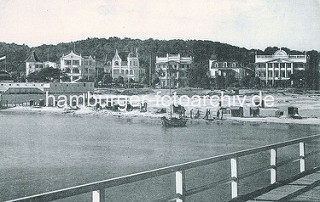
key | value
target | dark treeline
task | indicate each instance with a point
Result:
(101, 48)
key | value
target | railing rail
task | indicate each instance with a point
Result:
(98, 188)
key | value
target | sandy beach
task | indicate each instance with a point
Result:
(308, 105)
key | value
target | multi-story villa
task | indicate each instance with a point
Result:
(223, 68)
(33, 64)
(71, 64)
(88, 68)
(126, 65)
(172, 70)
(78, 67)
(276, 69)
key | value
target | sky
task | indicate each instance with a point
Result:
(294, 24)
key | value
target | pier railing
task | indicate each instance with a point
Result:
(99, 188)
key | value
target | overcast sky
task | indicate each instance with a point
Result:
(252, 24)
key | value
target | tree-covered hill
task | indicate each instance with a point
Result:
(101, 48)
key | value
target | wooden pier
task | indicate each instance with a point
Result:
(303, 186)
(306, 188)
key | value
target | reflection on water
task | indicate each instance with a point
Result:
(42, 152)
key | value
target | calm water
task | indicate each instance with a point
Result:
(43, 152)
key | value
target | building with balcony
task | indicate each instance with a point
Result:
(278, 68)
(126, 65)
(71, 65)
(88, 68)
(172, 70)
(78, 67)
(224, 68)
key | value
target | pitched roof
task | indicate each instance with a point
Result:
(124, 56)
(132, 54)
(71, 54)
(281, 60)
(33, 58)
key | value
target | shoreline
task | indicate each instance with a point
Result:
(154, 118)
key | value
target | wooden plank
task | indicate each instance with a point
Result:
(277, 194)
(307, 180)
(303, 187)
(310, 196)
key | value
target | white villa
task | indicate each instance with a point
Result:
(277, 68)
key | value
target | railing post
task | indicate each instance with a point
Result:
(99, 196)
(234, 177)
(273, 164)
(180, 186)
(302, 157)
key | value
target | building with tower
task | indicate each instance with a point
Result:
(33, 64)
(126, 65)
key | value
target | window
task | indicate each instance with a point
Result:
(76, 70)
(67, 62)
(116, 63)
(75, 62)
(67, 70)
(288, 73)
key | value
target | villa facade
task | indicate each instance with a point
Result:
(33, 64)
(278, 68)
(172, 70)
(223, 68)
(78, 67)
(126, 65)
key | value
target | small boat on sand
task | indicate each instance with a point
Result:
(173, 122)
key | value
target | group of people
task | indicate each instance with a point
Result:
(207, 115)
(180, 110)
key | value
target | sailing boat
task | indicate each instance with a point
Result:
(172, 121)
